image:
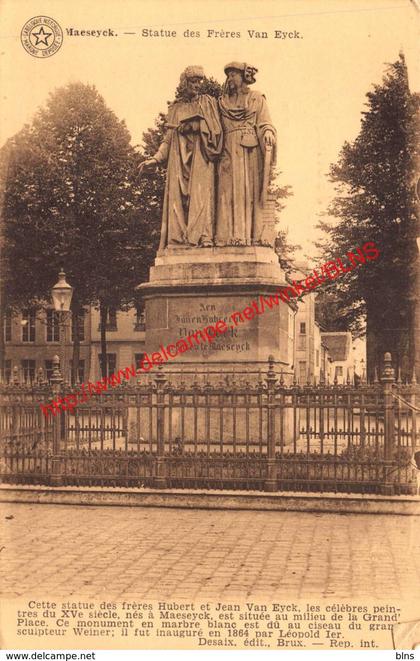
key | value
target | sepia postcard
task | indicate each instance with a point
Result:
(210, 325)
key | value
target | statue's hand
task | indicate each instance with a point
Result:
(193, 126)
(146, 165)
(269, 139)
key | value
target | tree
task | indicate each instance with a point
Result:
(375, 201)
(71, 201)
(284, 249)
(4, 168)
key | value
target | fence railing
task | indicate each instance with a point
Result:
(258, 435)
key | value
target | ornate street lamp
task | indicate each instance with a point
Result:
(363, 370)
(61, 295)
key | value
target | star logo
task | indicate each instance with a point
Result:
(42, 36)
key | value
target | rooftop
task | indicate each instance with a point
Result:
(338, 344)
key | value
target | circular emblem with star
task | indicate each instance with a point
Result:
(41, 36)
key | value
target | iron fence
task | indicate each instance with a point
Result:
(261, 434)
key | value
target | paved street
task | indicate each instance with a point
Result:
(121, 552)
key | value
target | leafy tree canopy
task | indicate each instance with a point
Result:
(71, 201)
(375, 201)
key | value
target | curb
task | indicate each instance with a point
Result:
(206, 499)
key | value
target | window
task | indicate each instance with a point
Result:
(28, 326)
(8, 327)
(81, 327)
(7, 371)
(48, 369)
(140, 324)
(111, 323)
(338, 370)
(303, 328)
(81, 375)
(301, 342)
(28, 369)
(111, 320)
(111, 362)
(53, 326)
(138, 357)
(302, 372)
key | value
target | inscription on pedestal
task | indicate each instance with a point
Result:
(201, 314)
(186, 316)
(178, 308)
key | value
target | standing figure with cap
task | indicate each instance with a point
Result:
(249, 141)
(191, 146)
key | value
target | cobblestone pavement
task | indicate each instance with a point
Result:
(121, 552)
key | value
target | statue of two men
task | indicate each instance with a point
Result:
(218, 154)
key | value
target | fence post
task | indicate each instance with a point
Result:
(271, 480)
(15, 425)
(388, 380)
(413, 401)
(59, 426)
(160, 475)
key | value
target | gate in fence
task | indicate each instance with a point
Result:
(263, 435)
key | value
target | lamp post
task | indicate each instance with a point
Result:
(61, 295)
(363, 370)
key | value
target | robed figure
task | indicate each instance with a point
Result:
(192, 144)
(248, 153)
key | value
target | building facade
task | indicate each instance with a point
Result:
(32, 339)
(125, 334)
(311, 358)
(340, 349)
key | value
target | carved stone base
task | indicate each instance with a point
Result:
(193, 288)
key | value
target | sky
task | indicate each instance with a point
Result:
(315, 78)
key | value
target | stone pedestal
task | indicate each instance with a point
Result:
(192, 288)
